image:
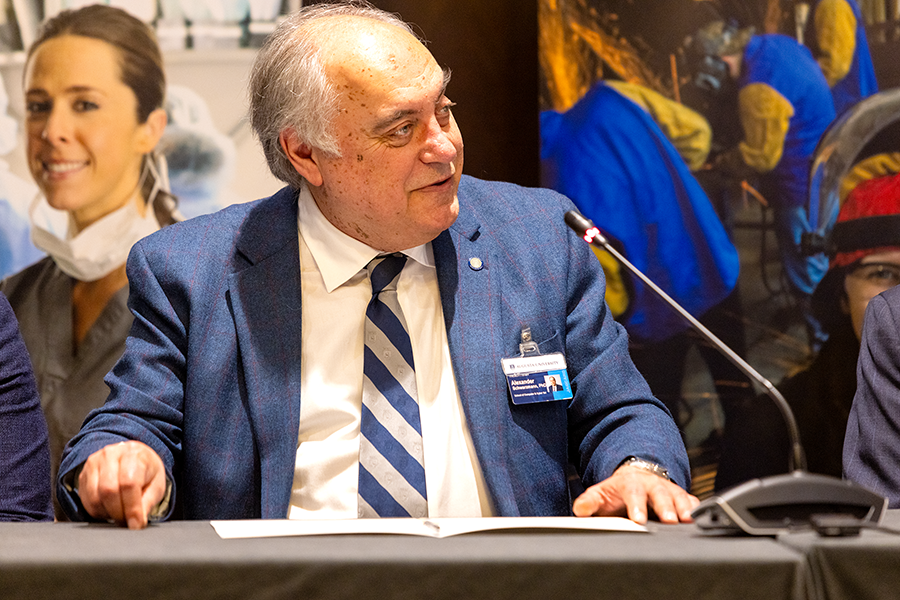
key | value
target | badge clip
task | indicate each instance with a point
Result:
(528, 347)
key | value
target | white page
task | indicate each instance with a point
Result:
(255, 528)
(448, 527)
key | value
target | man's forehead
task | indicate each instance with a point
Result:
(411, 82)
(391, 70)
(359, 46)
(379, 67)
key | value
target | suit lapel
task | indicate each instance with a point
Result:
(265, 300)
(471, 301)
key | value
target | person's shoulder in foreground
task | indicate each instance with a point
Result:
(872, 442)
(24, 451)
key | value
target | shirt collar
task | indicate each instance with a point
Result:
(338, 256)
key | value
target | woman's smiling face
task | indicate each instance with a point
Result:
(85, 144)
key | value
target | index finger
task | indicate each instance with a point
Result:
(141, 487)
(132, 475)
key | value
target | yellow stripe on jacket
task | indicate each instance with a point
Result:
(765, 115)
(835, 26)
(687, 129)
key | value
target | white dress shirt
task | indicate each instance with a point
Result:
(335, 293)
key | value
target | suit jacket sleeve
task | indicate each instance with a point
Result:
(24, 450)
(208, 377)
(872, 441)
(146, 385)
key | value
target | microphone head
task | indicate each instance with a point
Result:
(577, 222)
(583, 226)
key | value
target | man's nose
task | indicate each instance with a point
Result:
(439, 146)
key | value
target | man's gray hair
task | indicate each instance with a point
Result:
(289, 88)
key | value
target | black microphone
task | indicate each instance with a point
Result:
(767, 505)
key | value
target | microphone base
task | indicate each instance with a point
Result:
(781, 503)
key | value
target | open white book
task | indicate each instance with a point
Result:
(436, 528)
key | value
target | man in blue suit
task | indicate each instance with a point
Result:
(233, 402)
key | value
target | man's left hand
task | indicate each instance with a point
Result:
(630, 491)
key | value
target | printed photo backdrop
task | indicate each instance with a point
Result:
(212, 155)
(628, 134)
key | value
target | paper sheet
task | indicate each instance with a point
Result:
(438, 528)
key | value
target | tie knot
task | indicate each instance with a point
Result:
(383, 271)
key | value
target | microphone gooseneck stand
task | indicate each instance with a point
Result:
(768, 505)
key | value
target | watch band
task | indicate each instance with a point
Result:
(646, 465)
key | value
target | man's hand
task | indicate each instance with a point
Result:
(630, 491)
(122, 482)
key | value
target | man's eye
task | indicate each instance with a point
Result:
(444, 112)
(402, 132)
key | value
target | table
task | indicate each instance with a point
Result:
(851, 568)
(45, 561)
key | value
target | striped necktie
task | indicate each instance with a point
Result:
(391, 467)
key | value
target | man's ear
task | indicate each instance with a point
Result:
(301, 157)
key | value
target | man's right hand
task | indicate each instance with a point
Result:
(122, 482)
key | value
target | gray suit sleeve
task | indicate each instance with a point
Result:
(872, 443)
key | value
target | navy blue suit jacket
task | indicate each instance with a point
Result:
(210, 376)
(24, 449)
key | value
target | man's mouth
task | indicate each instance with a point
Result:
(438, 183)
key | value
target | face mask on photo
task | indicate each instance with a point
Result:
(99, 248)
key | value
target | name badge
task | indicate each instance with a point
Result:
(541, 378)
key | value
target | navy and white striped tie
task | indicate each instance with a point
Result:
(391, 467)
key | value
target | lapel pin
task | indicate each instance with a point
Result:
(476, 264)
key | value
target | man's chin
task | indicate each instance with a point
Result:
(438, 221)
(449, 213)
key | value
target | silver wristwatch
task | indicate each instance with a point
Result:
(646, 465)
